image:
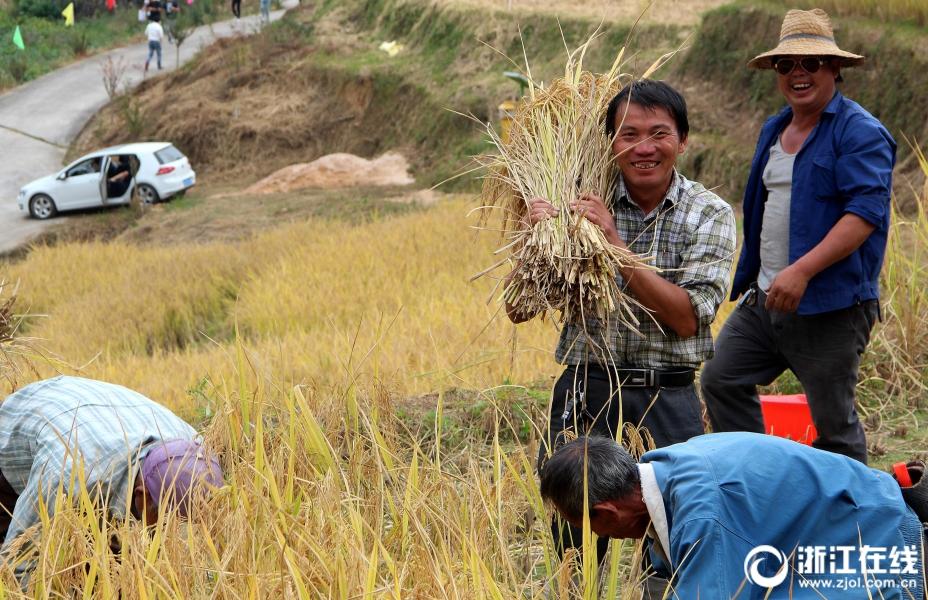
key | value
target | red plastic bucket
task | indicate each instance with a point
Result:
(788, 417)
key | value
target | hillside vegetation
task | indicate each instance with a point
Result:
(889, 85)
(316, 83)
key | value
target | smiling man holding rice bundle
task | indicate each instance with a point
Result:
(639, 368)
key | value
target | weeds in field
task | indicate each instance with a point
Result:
(886, 11)
(897, 362)
(112, 71)
(133, 115)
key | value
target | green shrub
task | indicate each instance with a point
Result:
(79, 41)
(45, 9)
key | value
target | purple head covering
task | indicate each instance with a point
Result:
(175, 470)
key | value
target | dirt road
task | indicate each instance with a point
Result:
(39, 119)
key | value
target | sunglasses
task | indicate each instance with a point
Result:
(809, 64)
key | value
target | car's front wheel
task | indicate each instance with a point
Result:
(148, 194)
(42, 207)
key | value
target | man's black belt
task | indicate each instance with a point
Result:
(631, 377)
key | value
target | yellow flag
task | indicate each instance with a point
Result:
(68, 14)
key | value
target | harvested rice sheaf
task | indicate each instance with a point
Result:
(558, 150)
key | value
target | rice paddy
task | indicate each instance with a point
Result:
(376, 413)
(298, 374)
(302, 355)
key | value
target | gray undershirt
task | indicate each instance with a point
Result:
(774, 233)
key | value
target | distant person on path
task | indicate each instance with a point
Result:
(816, 217)
(237, 8)
(265, 11)
(155, 34)
(154, 10)
(613, 374)
(136, 454)
(707, 505)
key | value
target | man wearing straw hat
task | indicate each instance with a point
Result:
(816, 217)
(131, 454)
(613, 374)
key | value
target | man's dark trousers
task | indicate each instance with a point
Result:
(587, 401)
(822, 350)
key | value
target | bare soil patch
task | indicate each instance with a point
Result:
(334, 171)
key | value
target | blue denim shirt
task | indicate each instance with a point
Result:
(844, 166)
(725, 494)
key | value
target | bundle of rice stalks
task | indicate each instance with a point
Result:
(557, 150)
(16, 351)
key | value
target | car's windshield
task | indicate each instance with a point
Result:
(85, 167)
(169, 154)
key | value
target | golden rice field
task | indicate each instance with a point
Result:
(302, 344)
(298, 351)
(387, 304)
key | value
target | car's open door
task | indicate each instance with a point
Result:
(102, 187)
(116, 194)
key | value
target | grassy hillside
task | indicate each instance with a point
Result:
(890, 84)
(316, 83)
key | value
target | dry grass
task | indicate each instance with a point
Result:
(898, 358)
(328, 495)
(395, 290)
(658, 11)
(886, 11)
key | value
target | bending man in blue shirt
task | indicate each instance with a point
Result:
(741, 515)
(816, 217)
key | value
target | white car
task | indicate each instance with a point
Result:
(163, 171)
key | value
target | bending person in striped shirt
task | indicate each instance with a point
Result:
(133, 455)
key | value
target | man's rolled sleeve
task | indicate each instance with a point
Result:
(864, 170)
(706, 265)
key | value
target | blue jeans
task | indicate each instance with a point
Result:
(153, 47)
(266, 10)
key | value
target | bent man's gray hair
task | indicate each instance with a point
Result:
(611, 474)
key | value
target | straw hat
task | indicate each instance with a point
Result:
(806, 33)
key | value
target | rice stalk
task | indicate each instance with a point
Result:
(17, 352)
(557, 150)
(899, 358)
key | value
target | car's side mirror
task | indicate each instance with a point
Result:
(62, 176)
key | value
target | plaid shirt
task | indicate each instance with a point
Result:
(690, 237)
(46, 425)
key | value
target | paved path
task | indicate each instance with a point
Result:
(39, 119)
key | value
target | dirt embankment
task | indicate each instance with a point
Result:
(249, 107)
(316, 84)
(336, 171)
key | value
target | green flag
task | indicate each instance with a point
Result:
(18, 39)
